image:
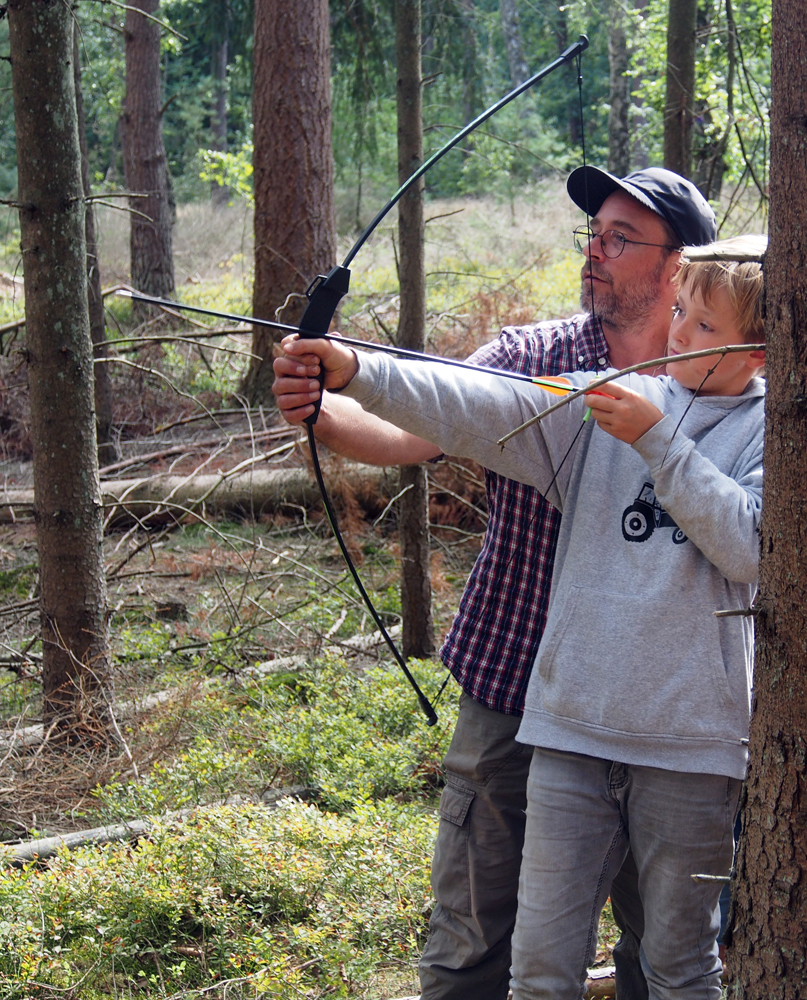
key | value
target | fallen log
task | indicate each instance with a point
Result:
(165, 499)
(47, 847)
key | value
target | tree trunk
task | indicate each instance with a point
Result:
(293, 169)
(767, 959)
(470, 70)
(60, 364)
(144, 163)
(619, 96)
(418, 627)
(107, 450)
(511, 29)
(681, 25)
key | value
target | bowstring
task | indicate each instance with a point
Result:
(688, 407)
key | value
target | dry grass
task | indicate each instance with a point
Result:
(204, 239)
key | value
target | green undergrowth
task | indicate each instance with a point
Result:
(287, 903)
(232, 895)
(350, 738)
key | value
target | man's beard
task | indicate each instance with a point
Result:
(629, 305)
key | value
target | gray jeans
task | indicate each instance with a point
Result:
(582, 814)
(476, 867)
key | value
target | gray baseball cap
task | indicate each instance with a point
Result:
(664, 192)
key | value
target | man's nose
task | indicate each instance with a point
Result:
(593, 247)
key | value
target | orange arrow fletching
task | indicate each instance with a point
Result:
(557, 386)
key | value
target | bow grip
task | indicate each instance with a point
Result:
(323, 294)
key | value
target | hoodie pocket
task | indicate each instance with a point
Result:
(636, 665)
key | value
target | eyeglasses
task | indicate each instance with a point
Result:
(611, 241)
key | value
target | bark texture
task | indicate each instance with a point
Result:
(679, 103)
(60, 364)
(293, 168)
(418, 626)
(144, 162)
(767, 956)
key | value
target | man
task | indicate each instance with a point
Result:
(631, 255)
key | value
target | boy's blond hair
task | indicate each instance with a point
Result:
(735, 266)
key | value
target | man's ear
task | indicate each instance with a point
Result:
(671, 269)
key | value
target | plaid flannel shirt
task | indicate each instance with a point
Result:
(494, 639)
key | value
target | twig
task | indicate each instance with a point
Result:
(117, 194)
(151, 17)
(205, 333)
(153, 371)
(122, 208)
(397, 496)
(201, 416)
(172, 339)
(598, 382)
(439, 488)
(193, 446)
(13, 325)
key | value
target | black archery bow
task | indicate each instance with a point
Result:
(324, 295)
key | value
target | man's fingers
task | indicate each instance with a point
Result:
(295, 367)
(297, 414)
(302, 349)
(283, 385)
(293, 400)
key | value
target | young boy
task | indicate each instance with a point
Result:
(638, 705)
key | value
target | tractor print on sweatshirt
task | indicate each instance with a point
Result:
(644, 515)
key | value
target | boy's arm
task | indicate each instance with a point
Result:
(466, 412)
(342, 424)
(718, 512)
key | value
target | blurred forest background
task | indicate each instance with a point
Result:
(473, 51)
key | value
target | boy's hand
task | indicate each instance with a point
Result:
(622, 412)
(296, 386)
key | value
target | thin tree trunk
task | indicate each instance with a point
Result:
(619, 96)
(556, 15)
(295, 235)
(768, 950)
(107, 450)
(144, 162)
(418, 627)
(220, 193)
(511, 29)
(60, 364)
(679, 103)
(710, 165)
(639, 156)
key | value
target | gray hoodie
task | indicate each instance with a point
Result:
(655, 537)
